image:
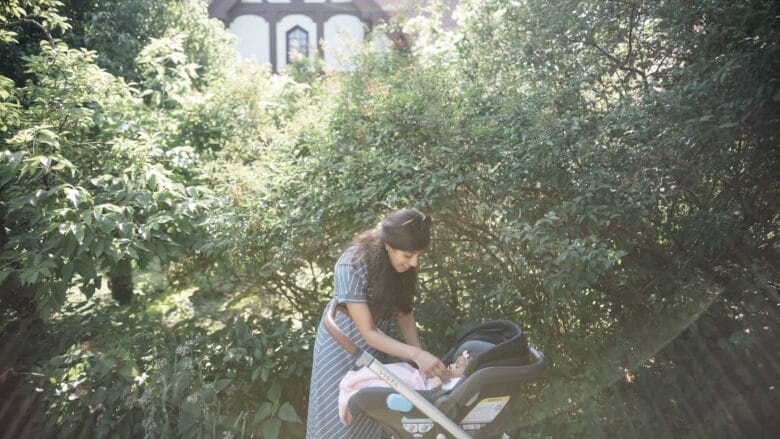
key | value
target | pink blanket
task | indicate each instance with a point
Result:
(355, 380)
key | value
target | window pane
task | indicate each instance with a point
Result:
(297, 43)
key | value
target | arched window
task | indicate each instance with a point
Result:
(297, 43)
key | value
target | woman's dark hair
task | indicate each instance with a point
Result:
(389, 291)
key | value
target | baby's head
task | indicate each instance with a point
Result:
(468, 351)
(459, 366)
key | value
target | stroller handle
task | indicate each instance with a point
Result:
(329, 320)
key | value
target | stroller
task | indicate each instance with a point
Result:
(479, 405)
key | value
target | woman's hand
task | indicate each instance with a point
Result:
(430, 366)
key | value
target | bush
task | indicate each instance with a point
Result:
(601, 173)
(126, 374)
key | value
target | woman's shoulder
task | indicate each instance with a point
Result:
(350, 261)
(351, 256)
(346, 256)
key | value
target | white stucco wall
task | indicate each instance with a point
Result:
(252, 36)
(343, 36)
(285, 24)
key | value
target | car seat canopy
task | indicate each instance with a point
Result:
(474, 347)
(492, 343)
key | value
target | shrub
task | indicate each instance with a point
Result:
(126, 374)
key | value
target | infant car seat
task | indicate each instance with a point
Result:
(480, 403)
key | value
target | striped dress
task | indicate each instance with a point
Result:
(331, 362)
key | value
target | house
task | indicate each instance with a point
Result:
(276, 31)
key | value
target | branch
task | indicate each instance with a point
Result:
(618, 64)
(34, 23)
(630, 34)
(451, 284)
(294, 294)
(475, 238)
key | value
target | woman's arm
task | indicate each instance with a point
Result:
(408, 326)
(426, 362)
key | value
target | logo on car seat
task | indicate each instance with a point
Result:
(417, 426)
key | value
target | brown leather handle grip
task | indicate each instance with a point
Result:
(333, 329)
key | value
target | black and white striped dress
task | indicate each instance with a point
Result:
(331, 362)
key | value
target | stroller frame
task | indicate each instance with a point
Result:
(365, 359)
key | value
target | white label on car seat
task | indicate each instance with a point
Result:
(484, 412)
(417, 426)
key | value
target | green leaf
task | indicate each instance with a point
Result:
(86, 268)
(271, 428)
(69, 245)
(242, 331)
(275, 392)
(67, 271)
(221, 384)
(101, 368)
(48, 137)
(130, 251)
(73, 195)
(58, 293)
(255, 372)
(78, 232)
(97, 247)
(107, 223)
(287, 413)
(29, 276)
(64, 228)
(265, 410)
(89, 237)
(4, 274)
(186, 420)
(45, 162)
(98, 396)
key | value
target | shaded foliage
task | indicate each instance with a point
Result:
(603, 173)
(157, 381)
(599, 172)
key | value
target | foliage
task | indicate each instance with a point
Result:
(23, 24)
(182, 382)
(78, 184)
(87, 182)
(604, 173)
(120, 30)
(17, 12)
(596, 189)
(167, 76)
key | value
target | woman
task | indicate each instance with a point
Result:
(376, 277)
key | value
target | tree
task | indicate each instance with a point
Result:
(88, 186)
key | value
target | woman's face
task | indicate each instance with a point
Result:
(403, 260)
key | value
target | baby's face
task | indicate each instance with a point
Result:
(459, 366)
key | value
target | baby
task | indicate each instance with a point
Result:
(456, 372)
(355, 380)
